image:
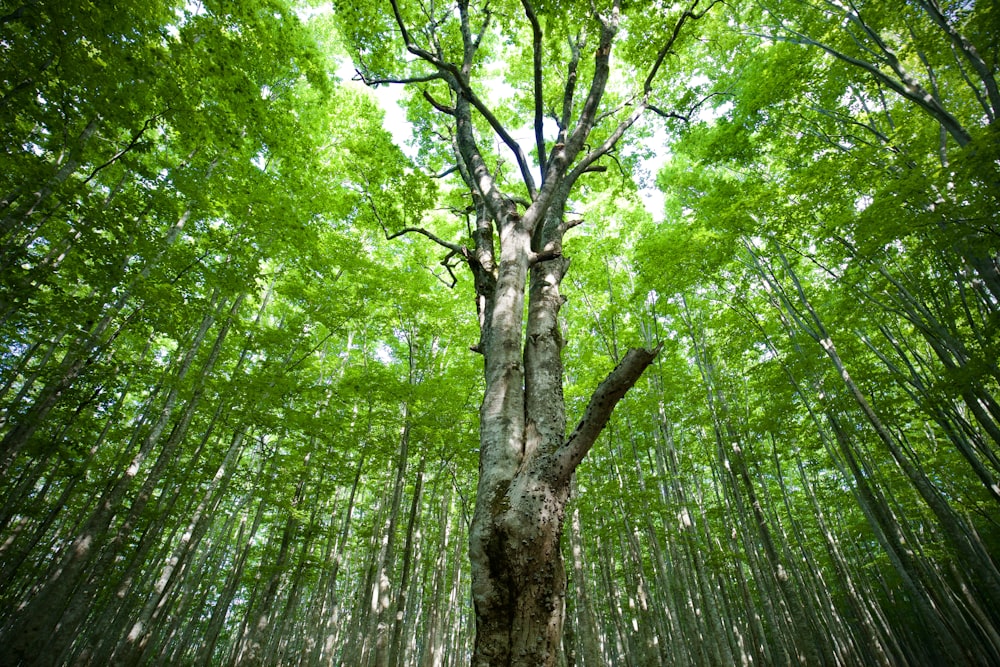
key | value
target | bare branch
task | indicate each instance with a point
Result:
(453, 247)
(475, 172)
(486, 24)
(543, 256)
(567, 225)
(598, 84)
(599, 409)
(584, 165)
(458, 80)
(446, 172)
(567, 148)
(449, 266)
(567, 110)
(450, 111)
(376, 82)
(509, 141)
(686, 117)
(536, 50)
(970, 52)
(441, 65)
(669, 114)
(844, 119)
(402, 25)
(906, 86)
(689, 13)
(129, 146)
(468, 43)
(613, 112)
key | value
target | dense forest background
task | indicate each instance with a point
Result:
(239, 425)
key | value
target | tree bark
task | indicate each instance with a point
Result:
(526, 460)
(519, 582)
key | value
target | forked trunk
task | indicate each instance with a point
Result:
(526, 459)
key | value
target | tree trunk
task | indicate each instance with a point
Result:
(526, 460)
(382, 586)
(396, 650)
(586, 624)
(518, 579)
(59, 598)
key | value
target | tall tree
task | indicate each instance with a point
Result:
(514, 249)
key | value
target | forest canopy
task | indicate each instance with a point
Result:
(285, 383)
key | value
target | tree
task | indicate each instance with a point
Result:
(514, 250)
(870, 250)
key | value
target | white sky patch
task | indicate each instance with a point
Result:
(395, 117)
(388, 97)
(260, 160)
(383, 353)
(652, 197)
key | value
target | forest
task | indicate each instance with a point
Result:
(386, 333)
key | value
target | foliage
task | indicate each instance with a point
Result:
(215, 369)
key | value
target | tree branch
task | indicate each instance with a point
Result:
(669, 114)
(536, 52)
(509, 141)
(374, 83)
(689, 13)
(686, 117)
(453, 247)
(906, 86)
(475, 172)
(449, 111)
(584, 165)
(446, 263)
(567, 225)
(459, 81)
(602, 403)
(129, 146)
(543, 256)
(568, 93)
(970, 52)
(446, 172)
(598, 84)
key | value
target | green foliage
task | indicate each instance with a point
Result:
(205, 337)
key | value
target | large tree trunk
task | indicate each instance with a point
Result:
(519, 583)
(526, 460)
(515, 255)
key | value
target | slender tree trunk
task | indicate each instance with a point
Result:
(590, 654)
(244, 542)
(331, 606)
(141, 631)
(60, 594)
(382, 591)
(396, 649)
(432, 646)
(257, 624)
